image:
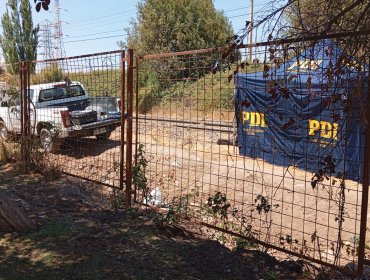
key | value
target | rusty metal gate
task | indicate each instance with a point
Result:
(175, 145)
(91, 90)
(186, 131)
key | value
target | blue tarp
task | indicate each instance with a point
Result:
(307, 112)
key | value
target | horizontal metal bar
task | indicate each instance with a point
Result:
(205, 128)
(218, 124)
(91, 180)
(307, 38)
(143, 117)
(162, 55)
(269, 43)
(78, 56)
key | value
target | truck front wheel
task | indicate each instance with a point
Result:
(49, 143)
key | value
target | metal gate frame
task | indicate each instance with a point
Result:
(128, 86)
(362, 261)
(126, 105)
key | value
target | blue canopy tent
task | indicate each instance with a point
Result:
(307, 112)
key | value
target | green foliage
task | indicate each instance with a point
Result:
(271, 275)
(139, 179)
(173, 26)
(51, 73)
(99, 82)
(219, 205)
(242, 244)
(179, 208)
(19, 39)
(210, 92)
(177, 25)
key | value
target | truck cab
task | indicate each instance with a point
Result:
(57, 111)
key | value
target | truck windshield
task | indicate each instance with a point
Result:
(60, 93)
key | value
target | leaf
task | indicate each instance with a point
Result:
(45, 6)
(291, 77)
(38, 7)
(230, 78)
(313, 184)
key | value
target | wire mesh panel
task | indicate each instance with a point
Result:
(75, 114)
(271, 149)
(10, 114)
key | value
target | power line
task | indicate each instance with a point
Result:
(82, 22)
(102, 16)
(84, 35)
(121, 35)
(92, 15)
(93, 39)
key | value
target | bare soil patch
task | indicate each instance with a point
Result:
(80, 236)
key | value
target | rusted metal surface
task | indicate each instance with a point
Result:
(123, 110)
(78, 56)
(365, 186)
(136, 116)
(130, 98)
(93, 154)
(25, 112)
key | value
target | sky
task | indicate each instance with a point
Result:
(91, 26)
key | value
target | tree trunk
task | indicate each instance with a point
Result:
(11, 216)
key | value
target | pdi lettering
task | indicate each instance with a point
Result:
(254, 119)
(327, 129)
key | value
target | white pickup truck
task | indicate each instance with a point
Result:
(58, 111)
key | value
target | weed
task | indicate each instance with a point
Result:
(139, 179)
(271, 276)
(179, 208)
(242, 244)
(117, 200)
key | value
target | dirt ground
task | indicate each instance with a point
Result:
(80, 236)
(186, 157)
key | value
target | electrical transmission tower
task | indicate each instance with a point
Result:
(59, 50)
(46, 40)
(51, 36)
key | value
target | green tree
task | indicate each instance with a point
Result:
(177, 25)
(19, 39)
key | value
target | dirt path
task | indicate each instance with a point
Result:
(182, 160)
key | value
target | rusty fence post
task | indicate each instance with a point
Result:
(21, 103)
(136, 117)
(25, 112)
(130, 95)
(365, 188)
(123, 110)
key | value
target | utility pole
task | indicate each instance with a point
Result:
(250, 37)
